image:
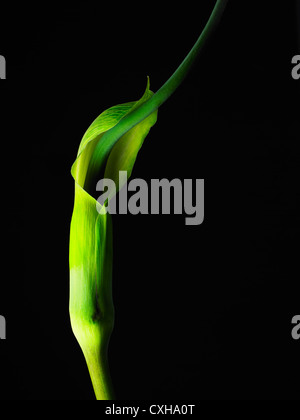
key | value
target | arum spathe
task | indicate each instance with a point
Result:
(91, 305)
(110, 145)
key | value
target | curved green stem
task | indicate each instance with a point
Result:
(130, 120)
(91, 306)
(97, 362)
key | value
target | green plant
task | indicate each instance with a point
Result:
(110, 145)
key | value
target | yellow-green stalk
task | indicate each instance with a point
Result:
(110, 145)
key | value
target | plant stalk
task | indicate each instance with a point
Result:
(93, 326)
(130, 120)
(97, 363)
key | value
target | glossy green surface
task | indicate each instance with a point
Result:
(91, 306)
(110, 145)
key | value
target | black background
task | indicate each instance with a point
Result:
(202, 312)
